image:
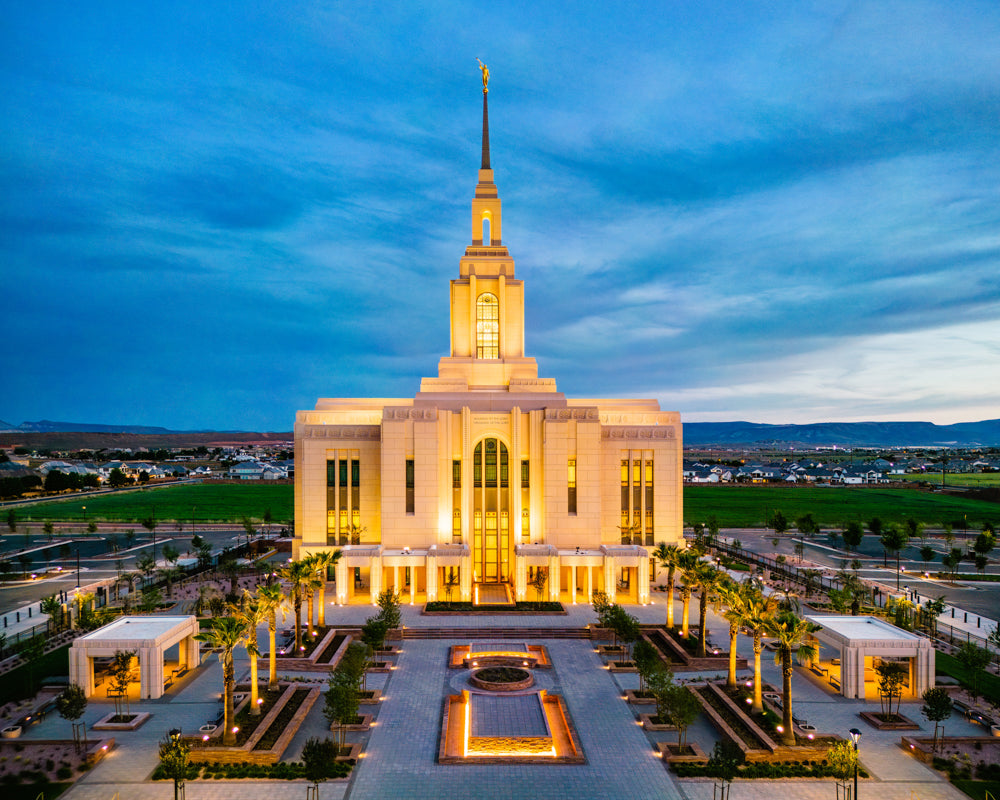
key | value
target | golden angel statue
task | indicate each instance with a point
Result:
(486, 75)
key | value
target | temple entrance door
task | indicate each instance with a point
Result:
(491, 512)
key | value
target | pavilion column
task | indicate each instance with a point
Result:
(554, 578)
(642, 580)
(150, 673)
(413, 585)
(590, 584)
(81, 670)
(465, 577)
(340, 576)
(572, 583)
(375, 579)
(395, 579)
(610, 585)
(520, 576)
(432, 577)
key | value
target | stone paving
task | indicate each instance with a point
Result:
(400, 755)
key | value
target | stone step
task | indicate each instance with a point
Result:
(496, 633)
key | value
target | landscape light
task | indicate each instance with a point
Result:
(235, 729)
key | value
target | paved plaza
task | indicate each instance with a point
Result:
(400, 753)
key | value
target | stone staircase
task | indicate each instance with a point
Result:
(51, 643)
(466, 634)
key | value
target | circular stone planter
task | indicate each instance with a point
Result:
(502, 679)
(12, 732)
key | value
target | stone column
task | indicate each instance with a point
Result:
(465, 578)
(642, 581)
(610, 585)
(81, 670)
(554, 578)
(340, 572)
(432, 577)
(520, 577)
(375, 579)
(590, 584)
(572, 583)
(413, 585)
(150, 673)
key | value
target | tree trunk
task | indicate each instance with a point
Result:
(731, 677)
(309, 615)
(788, 737)
(758, 694)
(670, 598)
(321, 610)
(254, 705)
(298, 626)
(685, 608)
(228, 679)
(272, 656)
(702, 614)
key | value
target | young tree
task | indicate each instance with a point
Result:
(894, 539)
(975, 659)
(317, 756)
(647, 661)
(936, 708)
(450, 583)
(853, 534)
(875, 526)
(121, 676)
(538, 582)
(626, 629)
(932, 609)
(843, 759)
(71, 704)
(682, 709)
(53, 607)
(777, 522)
(341, 703)
(891, 675)
(373, 634)
(175, 755)
(389, 613)
(927, 554)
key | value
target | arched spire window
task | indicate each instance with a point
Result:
(487, 326)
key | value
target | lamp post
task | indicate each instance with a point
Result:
(855, 737)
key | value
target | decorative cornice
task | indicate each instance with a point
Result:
(562, 414)
(342, 432)
(638, 432)
(407, 412)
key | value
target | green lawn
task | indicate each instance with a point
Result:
(750, 506)
(989, 684)
(978, 789)
(733, 506)
(198, 502)
(976, 480)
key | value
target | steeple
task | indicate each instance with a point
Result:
(486, 133)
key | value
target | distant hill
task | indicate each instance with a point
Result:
(847, 434)
(47, 426)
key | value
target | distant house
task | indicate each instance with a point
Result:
(256, 471)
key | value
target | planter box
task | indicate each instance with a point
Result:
(104, 723)
(374, 697)
(687, 754)
(901, 724)
(622, 666)
(353, 754)
(631, 697)
(649, 725)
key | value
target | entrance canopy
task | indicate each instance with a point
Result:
(861, 638)
(150, 637)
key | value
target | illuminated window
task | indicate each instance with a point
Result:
(456, 526)
(525, 475)
(409, 486)
(487, 326)
(525, 525)
(571, 486)
(456, 474)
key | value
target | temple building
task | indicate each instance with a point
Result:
(489, 474)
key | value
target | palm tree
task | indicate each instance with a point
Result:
(52, 607)
(667, 555)
(252, 612)
(708, 578)
(791, 631)
(271, 597)
(226, 634)
(298, 574)
(323, 560)
(758, 609)
(731, 593)
(689, 582)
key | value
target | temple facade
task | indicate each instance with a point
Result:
(489, 473)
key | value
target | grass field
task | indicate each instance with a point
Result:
(193, 502)
(973, 480)
(733, 506)
(750, 506)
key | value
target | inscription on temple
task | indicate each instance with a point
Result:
(490, 419)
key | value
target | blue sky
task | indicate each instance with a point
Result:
(213, 213)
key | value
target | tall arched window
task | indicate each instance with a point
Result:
(487, 326)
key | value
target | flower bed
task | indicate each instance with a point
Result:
(281, 720)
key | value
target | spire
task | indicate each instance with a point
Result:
(486, 116)
(486, 134)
